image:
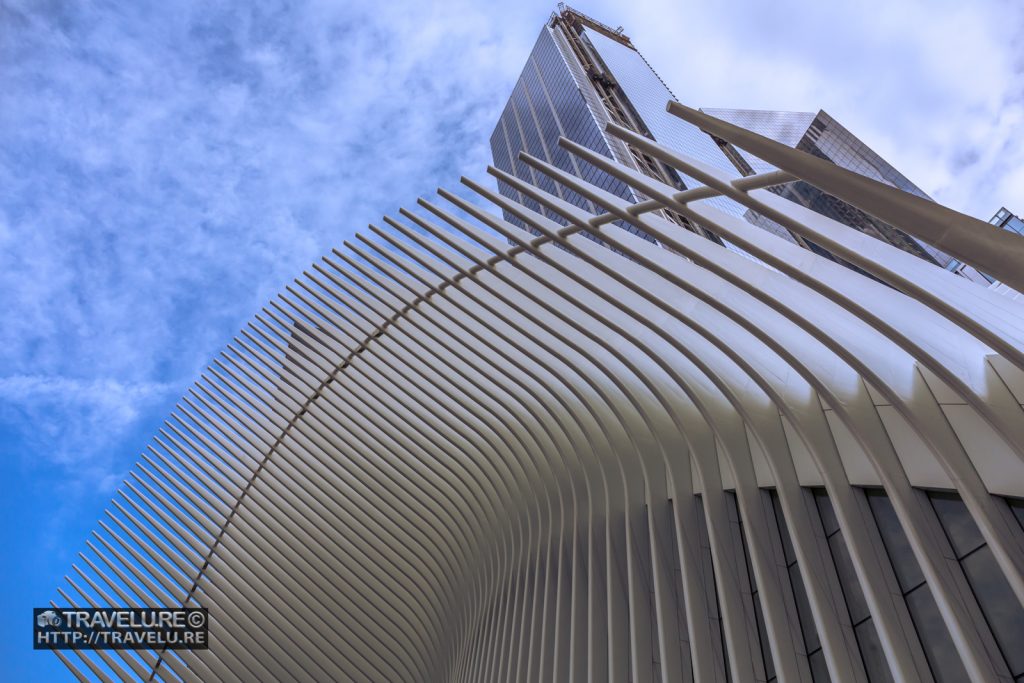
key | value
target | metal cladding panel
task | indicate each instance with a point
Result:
(446, 455)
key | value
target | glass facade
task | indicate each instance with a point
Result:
(996, 600)
(1000, 612)
(872, 656)
(938, 646)
(1002, 219)
(707, 571)
(646, 95)
(811, 642)
(1007, 221)
(546, 103)
(581, 75)
(821, 135)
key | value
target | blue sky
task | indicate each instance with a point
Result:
(165, 168)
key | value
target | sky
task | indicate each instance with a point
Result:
(167, 167)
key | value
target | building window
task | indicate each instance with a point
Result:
(871, 653)
(1003, 612)
(939, 650)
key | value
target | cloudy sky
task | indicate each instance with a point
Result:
(166, 167)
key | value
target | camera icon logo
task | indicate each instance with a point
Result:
(47, 618)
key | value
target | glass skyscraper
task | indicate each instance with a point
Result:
(1006, 220)
(824, 137)
(581, 74)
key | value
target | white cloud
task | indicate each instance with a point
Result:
(166, 168)
(74, 421)
(934, 86)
